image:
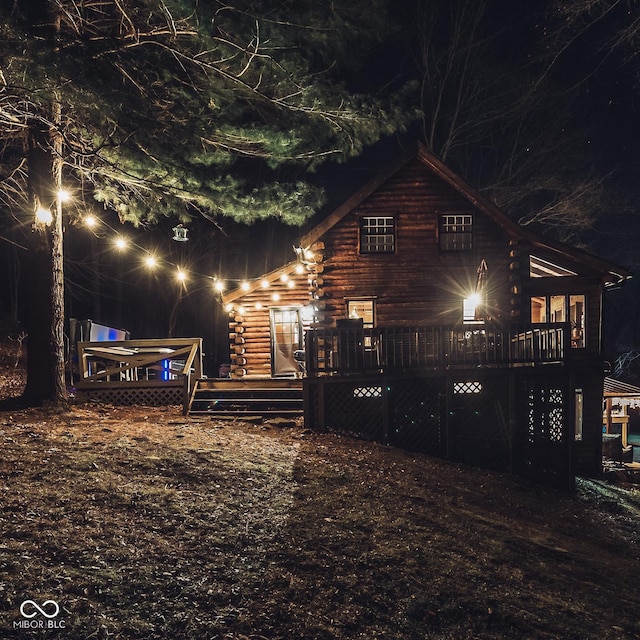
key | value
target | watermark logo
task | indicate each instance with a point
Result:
(30, 605)
(39, 616)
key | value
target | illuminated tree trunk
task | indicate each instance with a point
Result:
(45, 273)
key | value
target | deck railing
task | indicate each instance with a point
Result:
(353, 350)
(138, 364)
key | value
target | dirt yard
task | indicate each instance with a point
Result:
(141, 524)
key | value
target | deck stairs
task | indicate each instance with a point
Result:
(247, 397)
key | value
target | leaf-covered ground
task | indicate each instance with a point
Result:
(142, 524)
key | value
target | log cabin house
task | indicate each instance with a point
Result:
(430, 320)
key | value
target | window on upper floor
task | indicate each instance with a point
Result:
(377, 234)
(561, 308)
(455, 232)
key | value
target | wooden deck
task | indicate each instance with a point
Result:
(157, 372)
(386, 349)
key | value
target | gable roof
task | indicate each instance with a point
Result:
(611, 273)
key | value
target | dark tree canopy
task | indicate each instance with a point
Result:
(171, 108)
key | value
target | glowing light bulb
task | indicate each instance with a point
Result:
(181, 275)
(475, 299)
(44, 216)
(121, 243)
(151, 261)
(244, 286)
(64, 195)
(264, 283)
(219, 286)
(90, 220)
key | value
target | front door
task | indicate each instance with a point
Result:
(286, 338)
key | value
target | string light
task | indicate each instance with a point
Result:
(151, 261)
(44, 216)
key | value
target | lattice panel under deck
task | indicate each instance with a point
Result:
(479, 422)
(149, 396)
(547, 447)
(355, 409)
(416, 415)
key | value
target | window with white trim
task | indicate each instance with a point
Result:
(377, 234)
(455, 232)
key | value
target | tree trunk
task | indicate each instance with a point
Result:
(45, 274)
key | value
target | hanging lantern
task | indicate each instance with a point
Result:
(180, 233)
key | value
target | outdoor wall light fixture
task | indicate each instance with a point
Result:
(305, 256)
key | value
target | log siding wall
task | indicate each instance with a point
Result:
(249, 323)
(418, 283)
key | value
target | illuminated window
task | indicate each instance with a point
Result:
(579, 411)
(377, 234)
(561, 308)
(455, 232)
(538, 309)
(363, 309)
(471, 307)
